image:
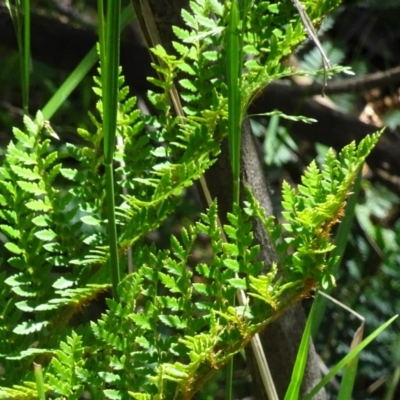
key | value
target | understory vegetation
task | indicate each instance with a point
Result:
(124, 275)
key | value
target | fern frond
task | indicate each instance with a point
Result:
(27, 391)
(67, 370)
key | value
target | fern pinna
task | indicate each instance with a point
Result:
(173, 325)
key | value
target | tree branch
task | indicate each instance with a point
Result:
(363, 82)
(333, 128)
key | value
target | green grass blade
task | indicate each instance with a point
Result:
(37, 368)
(101, 30)
(70, 84)
(25, 54)
(350, 370)
(23, 35)
(353, 353)
(348, 379)
(301, 360)
(26, 59)
(233, 65)
(110, 103)
(271, 138)
(110, 82)
(244, 6)
(77, 75)
(234, 111)
(392, 385)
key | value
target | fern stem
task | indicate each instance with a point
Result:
(112, 230)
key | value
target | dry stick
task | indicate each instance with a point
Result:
(314, 37)
(358, 334)
(152, 39)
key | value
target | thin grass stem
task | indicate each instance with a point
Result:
(110, 103)
(22, 32)
(26, 56)
(229, 380)
(234, 137)
(234, 109)
(101, 30)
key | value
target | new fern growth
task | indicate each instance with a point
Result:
(173, 325)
